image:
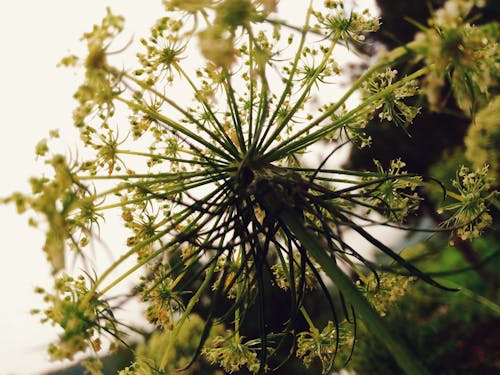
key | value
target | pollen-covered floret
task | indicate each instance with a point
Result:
(233, 353)
(391, 105)
(349, 27)
(322, 345)
(469, 213)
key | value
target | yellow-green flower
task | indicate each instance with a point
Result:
(482, 141)
(464, 54)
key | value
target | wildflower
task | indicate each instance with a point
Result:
(217, 46)
(311, 70)
(147, 357)
(465, 54)
(20, 200)
(108, 154)
(162, 300)
(164, 50)
(42, 148)
(284, 275)
(232, 353)
(234, 13)
(323, 345)
(96, 94)
(54, 133)
(393, 109)
(81, 318)
(349, 28)
(469, 213)
(221, 202)
(55, 200)
(385, 290)
(396, 195)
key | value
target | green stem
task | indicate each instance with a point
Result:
(176, 220)
(174, 126)
(386, 60)
(215, 137)
(234, 111)
(308, 319)
(169, 158)
(299, 141)
(490, 305)
(289, 84)
(405, 358)
(192, 302)
(389, 58)
(229, 145)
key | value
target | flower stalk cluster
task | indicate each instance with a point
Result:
(219, 205)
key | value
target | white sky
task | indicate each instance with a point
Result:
(35, 97)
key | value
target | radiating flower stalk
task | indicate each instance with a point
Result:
(224, 207)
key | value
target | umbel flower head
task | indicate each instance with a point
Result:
(460, 52)
(219, 206)
(470, 214)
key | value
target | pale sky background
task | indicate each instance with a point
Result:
(36, 97)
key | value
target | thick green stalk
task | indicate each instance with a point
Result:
(405, 358)
(192, 302)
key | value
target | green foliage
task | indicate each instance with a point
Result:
(453, 333)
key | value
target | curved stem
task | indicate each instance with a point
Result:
(175, 126)
(192, 302)
(300, 140)
(405, 358)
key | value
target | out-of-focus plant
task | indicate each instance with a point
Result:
(223, 206)
(465, 55)
(148, 355)
(483, 139)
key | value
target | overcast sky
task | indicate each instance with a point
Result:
(36, 97)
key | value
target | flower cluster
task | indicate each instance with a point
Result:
(96, 95)
(391, 104)
(164, 50)
(148, 355)
(323, 345)
(163, 301)
(470, 215)
(81, 316)
(349, 27)
(67, 207)
(217, 40)
(396, 196)
(287, 272)
(464, 53)
(385, 290)
(233, 353)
